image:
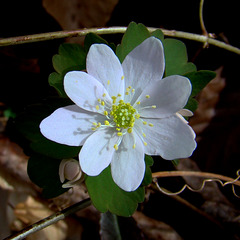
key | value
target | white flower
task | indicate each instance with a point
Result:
(123, 111)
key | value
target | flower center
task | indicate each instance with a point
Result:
(123, 114)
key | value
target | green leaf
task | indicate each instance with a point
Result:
(148, 173)
(56, 80)
(9, 113)
(70, 57)
(175, 162)
(158, 34)
(55, 150)
(43, 171)
(176, 59)
(199, 80)
(27, 124)
(192, 104)
(134, 35)
(92, 38)
(107, 196)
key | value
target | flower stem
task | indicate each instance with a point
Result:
(113, 30)
(50, 220)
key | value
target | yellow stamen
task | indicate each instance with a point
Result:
(134, 146)
(104, 95)
(97, 107)
(115, 147)
(132, 124)
(145, 144)
(150, 125)
(122, 77)
(119, 133)
(106, 122)
(94, 123)
(144, 135)
(137, 116)
(144, 123)
(108, 82)
(118, 129)
(147, 96)
(102, 103)
(129, 130)
(138, 102)
(154, 106)
(105, 113)
(114, 99)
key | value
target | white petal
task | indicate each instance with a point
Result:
(171, 137)
(96, 153)
(69, 125)
(185, 112)
(103, 64)
(69, 169)
(144, 65)
(168, 95)
(84, 90)
(128, 166)
(76, 181)
(61, 170)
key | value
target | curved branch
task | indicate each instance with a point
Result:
(114, 30)
(204, 31)
(209, 177)
(50, 220)
(198, 174)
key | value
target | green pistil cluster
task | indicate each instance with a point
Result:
(123, 114)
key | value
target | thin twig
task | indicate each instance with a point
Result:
(50, 220)
(114, 30)
(204, 30)
(197, 174)
(208, 177)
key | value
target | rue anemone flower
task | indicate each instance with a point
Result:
(122, 112)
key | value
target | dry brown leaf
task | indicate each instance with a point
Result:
(74, 14)
(31, 211)
(153, 229)
(215, 204)
(13, 167)
(19, 207)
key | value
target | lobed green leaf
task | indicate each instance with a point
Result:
(134, 35)
(43, 171)
(148, 173)
(199, 80)
(176, 59)
(107, 196)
